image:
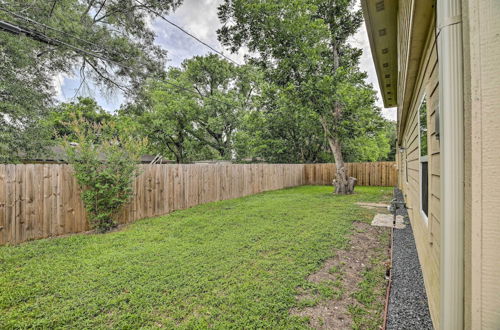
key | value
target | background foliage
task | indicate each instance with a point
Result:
(269, 109)
(105, 42)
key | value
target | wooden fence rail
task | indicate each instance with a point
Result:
(43, 200)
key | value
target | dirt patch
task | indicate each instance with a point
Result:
(342, 274)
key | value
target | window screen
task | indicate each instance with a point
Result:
(423, 127)
(425, 187)
(424, 165)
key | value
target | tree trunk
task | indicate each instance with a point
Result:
(222, 151)
(343, 184)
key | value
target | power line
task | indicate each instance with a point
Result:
(41, 37)
(187, 32)
(14, 29)
(30, 20)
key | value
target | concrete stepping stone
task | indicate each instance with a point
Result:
(386, 220)
(373, 205)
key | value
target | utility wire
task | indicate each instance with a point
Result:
(41, 37)
(186, 32)
(32, 21)
(14, 29)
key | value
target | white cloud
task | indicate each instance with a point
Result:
(58, 84)
(199, 17)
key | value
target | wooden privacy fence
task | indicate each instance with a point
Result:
(43, 200)
(368, 174)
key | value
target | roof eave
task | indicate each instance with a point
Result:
(381, 25)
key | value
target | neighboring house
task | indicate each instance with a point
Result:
(439, 63)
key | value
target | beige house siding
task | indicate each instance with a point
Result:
(426, 231)
(418, 75)
(482, 165)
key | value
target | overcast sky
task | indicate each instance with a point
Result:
(200, 18)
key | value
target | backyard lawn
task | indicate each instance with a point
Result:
(231, 264)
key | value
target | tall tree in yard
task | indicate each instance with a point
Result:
(281, 131)
(302, 45)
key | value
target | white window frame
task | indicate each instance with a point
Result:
(422, 159)
(406, 162)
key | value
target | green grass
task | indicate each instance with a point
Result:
(229, 264)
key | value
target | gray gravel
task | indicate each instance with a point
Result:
(408, 307)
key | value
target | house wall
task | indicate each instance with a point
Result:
(418, 68)
(426, 231)
(482, 163)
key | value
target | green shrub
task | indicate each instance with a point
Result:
(104, 160)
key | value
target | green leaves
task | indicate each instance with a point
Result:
(105, 42)
(104, 161)
(318, 92)
(24, 98)
(195, 111)
(85, 109)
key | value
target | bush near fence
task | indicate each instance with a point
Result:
(43, 200)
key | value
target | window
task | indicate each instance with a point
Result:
(406, 160)
(424, 168)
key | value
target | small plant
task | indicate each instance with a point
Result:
(334, 270)
(309, 302)
(104, 160)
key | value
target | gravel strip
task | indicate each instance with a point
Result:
(408, 307)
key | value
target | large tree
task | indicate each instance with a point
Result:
(108, 43)
(281, 131)
(224, 92)
(195, 110)
(25, 97)
(167, 116)
(302, 45)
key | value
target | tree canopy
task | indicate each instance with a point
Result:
(108, 43)
(300, 97)
(84, 109)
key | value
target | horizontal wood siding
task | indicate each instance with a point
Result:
(43, 200)
(426, 231)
